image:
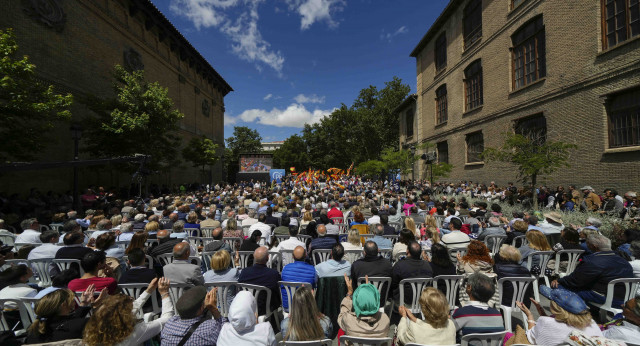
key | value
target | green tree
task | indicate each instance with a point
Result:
(201, 152)
(28, 108)
(372, 169)
(140, 119)
(532, 154)
(292, 153)
(399, 160)
(244, 140)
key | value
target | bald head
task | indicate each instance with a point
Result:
(322, 230)
(217, 233)
(162, 234)
(181, 251)
(261, 255)
(299, 254)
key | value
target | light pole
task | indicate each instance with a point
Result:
(413, 163)
(76, 135)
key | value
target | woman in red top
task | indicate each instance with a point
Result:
(91, 263)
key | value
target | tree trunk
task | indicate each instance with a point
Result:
(534, 191)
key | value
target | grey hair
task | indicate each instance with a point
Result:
(482, 286)
(594, 221)
(494, 222)
(178, 227)
(139, 217)
(26, 223)
(599, 241)
(72, 214)
(126, 227)
(102, 224)
(379, 229)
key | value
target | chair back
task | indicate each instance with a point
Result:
(303, 237)
(287, 256)
(630, 288)
(149, 262)
(484, 339)
(453, 254)
(325, 342)
(396, 225)
(193, 232)
(206, 258)
(44, 228)
(24, 315)
(232, 241)
(196, 242)
(357, 341)
(244, 258)
(382, 283)
(275, 260)
(7, 239)
(439, 220)
(223, 293)
(342, 227)
(353, 255)
(290, 289)
(494, 242)
(520, 286)
(245, 230)
(165, 258)
(42, 266)
(417, 286)
(206, 231)
(150, 242)
(574, 256)
(29, 305)
(452, 283)
(255, 291)
(521, 239)
(134, 291)
(282, 237)
(123, 244)
(64, 264)
(175, 292)
(321, 255)
(392, 237)
(18, 246)
(544, 257)
(386, 254)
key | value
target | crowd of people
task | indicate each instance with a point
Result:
(345, 247)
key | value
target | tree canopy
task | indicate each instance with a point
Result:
(28, 108)
(201, 152)
(292, 153)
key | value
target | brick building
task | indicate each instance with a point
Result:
(566, 69)
(75, 46)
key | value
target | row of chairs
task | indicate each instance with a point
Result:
(487, 339)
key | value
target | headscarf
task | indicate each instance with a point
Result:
(243, 327)
(366, 300)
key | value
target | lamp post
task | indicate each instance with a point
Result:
(413, 163)
(76, 135)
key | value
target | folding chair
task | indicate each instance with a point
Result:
(485, 339)
(134, 291)
(544, 256)
(520, 286)
(630, 286)
(226, 290)
(64, 264)
(255, 291)
(320, 255)
(290, 289)
(417, 286)
(452, 283)
(357, 341)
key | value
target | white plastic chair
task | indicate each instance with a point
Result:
(452, 283)
(320, 255)
(192, 232)
(494, 242)
(357, 341)
(255, 291)
(485, 339)
(134, 291)
(206, 231)
(64, 264)
(148, 263)
(290, 289)
(18, 246)
(417, 286)
(232, 241)
(176, 290)
(544, 257)
(24, 316)
(520, 286)
(244, 258)
(631, 287)
(223, 294)
(325, 342)
(574, 257)
(382, 284)
(275, 260)
(8, 239)
(523, 241)
(206, 258)
(42, 267)
(453, 254)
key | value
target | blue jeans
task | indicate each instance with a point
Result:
(593, 297)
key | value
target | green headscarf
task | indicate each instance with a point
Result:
(366, 300)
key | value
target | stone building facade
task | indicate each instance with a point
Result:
(75, 46)
(568, 70)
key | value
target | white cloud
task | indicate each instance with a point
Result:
(389, 36)
(229, 120)
(268, 97)
(301, 98)
(296, 115)
(313, 11)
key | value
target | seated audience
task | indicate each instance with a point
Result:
(477, 259)
(222, 270)
(115, 322)
(106, 242)
(400, 248)
(383, 243)
(440, 260)
(181, 270)
(455, 239)
(305, 322)
(243, 327)
(138, 272)
(259, 274)
(336, 265)
(537, 242)
(436, 329)
(289, 244)
(371, 265)
(165, 245)
(218, 242)
(322, 241)
(507, 265)
(412, 266)
(92, 263)
(360, 313)
(477, 316)
(15, 278)
(298, 271)
(352, 243)
(73, 246)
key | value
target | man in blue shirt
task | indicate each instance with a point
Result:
(298, 271)
(335, 266)
(382, 242)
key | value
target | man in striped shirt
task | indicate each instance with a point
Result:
(477, 316)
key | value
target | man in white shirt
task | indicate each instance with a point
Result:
(289, 244)
(455, 239)
(262, 227)
(375, 219)
(31, 233)
(48, 249)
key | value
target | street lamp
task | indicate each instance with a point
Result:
(413, 164)
(76, 135)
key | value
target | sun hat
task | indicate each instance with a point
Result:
(565, 299)
(554, 216)
(587, 187)
(366, 300)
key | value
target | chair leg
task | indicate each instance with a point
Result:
(536, 291)
(546, 281)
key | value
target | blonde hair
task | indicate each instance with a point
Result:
(510, 253)
(111, 323)
(410, 224)
(48, 307)
(303, 318)
(520, 226)
(152, 226)
(307, 216)
(220, 260)
(434, 235)
(116, 220)
(435, 307)
(579, 321)
(538, 241)
(192, 217)
(430, 221)
(354, 237)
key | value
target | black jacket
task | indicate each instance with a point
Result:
(408, 268)
(259, 274)
(62, 327)
(504, 269)
(137, 275)
(595, 271)
(371, 266)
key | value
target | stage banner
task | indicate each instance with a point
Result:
(277, 175)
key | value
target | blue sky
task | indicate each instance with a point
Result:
(292, 62)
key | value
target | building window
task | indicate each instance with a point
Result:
(443, 152)
(621, 21)
(441, 105)
(533, 127)
(473, 85)
(516, 3)
(472, 22)
(409, 123)
(475, 147)
(528, 54)
(624, 119)
(441, 52)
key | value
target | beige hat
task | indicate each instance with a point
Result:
(554, 216)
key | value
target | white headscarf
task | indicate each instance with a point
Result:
(243, 327)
